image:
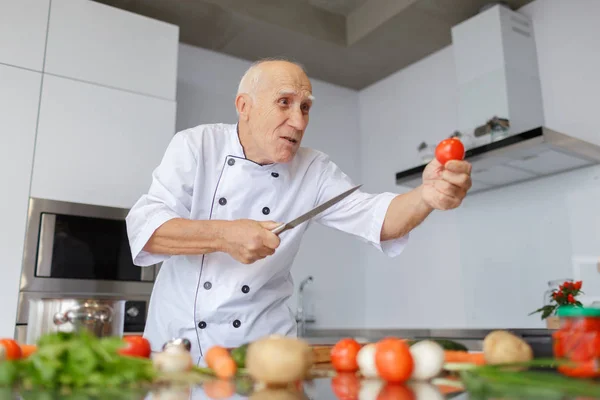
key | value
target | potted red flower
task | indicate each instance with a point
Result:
(565, 295)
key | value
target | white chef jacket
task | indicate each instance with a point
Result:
(213, 299)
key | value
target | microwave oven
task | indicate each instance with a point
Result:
(73, 248)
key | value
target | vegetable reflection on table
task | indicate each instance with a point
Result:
(82, 366)
(536, 379)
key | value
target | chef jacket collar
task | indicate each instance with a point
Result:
(238, 143)
(242, 154)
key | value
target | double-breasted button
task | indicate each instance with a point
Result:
(266, 210)
(237, 323)
(222, 201)
(207, 285)
(202, 325)
(231, 161)
(274, 174)
(245, 289)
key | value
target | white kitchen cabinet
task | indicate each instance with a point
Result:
(23, 26)
(19, 99)
(98, 145)
(97, 43)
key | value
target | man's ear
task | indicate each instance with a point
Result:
(243, 103)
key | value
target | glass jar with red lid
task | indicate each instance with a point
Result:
(578, 340)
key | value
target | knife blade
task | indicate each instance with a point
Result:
(315, 211)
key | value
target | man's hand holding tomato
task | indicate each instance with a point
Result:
(446, 179)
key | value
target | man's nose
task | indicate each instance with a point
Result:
(297, 120)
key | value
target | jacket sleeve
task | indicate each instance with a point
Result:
(360, 214)
(169, 197)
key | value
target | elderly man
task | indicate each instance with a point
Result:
(220, 190)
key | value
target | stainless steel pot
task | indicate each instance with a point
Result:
(101, 317)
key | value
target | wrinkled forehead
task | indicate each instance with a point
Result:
(290, 83)
(302, 94)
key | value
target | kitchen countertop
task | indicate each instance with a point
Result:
(324, 386)
(317, 389)
(467, 334)
(539, 339)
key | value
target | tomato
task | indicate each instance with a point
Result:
(137, 346)
(396, 392)
(343, 355)
(449, 149)
(346, 386)
(12, 348)
(393, 360)
(586, 369)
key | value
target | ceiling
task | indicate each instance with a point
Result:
(351, 43)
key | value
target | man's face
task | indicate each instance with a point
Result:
(279, 113)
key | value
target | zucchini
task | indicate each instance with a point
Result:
(239, 355)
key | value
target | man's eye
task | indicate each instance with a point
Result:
(285, 102)
(305, 107)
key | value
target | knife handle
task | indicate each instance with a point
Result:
(279, 229)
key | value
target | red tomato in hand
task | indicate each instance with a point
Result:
(393, 360)
(449, 149)
(343, 355)
(346, 386)
(137, 346)
(12, 349)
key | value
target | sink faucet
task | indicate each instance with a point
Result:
(300, 317)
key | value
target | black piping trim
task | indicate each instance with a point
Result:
(237, 133)
(253, 162)
(202, 262)
(210, 217)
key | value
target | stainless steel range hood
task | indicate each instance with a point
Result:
(518, 158)
(497, 78)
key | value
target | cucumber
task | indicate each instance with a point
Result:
(239, 355)
(244, 386)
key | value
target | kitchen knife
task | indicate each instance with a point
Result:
(313, 212)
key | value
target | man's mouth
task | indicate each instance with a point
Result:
(289, 139)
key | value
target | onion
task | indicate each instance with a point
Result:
(425, 391)
(366, 361)
(428, 357)
(370, 389)
(172, 393)
(173, 359)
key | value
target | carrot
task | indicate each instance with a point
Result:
(218, 389)
(447, 389)
(457, 356)
(28, 349)
(220, 361)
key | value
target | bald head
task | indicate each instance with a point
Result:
(273, 102)
(262, 69)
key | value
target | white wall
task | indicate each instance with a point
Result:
(487, 263)
(484, 265)
(207, 83)
(53, 153)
